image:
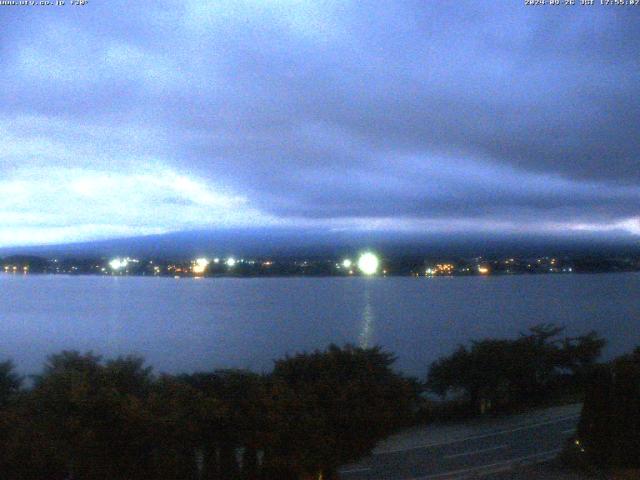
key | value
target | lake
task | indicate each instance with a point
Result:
(184, 325)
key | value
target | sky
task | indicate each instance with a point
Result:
(123, 118)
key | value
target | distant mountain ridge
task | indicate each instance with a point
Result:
(289, 242)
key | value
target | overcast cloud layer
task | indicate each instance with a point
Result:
(127, 118)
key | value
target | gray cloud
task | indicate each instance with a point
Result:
(334, 111)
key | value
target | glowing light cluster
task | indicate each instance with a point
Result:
(200, 265)
(368, 263)
(118, 263)
(440, 269)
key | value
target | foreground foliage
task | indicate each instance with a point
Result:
(86, 418)
(609, 429)
(502, 374)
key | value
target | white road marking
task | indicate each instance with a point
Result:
(536, 457)
(475, 452)
(569, 430)
(354, 470)
(476, 437)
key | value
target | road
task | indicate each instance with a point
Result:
(470, 450)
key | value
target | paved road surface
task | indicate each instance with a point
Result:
(470, 450)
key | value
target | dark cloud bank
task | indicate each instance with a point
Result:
(392, 117)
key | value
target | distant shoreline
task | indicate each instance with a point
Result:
(346, 277)
(364, 263)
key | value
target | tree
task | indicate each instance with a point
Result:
(10, 382)
(579, 354)
(240, 427)
(504, 373)
(93, 417)
(182, 420)
(609, 428)
(331, 407)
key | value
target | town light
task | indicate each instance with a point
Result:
(200, 265)
(368, 263)
(117, 263)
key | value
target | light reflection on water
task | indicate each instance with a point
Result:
(368, 318)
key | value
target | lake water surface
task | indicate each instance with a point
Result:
(193, 324)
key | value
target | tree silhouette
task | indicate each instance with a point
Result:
(505, 373)
(609, 428)
(332, 407)
(10, 382)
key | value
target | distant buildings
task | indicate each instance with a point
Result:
(367, 264)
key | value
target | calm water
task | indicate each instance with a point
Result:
(190, 324)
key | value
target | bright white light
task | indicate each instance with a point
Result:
(368, 263)
(200, 265)
(216, 260)
(230, 262)
(346, 263)
(117, 263)
(202, 262)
